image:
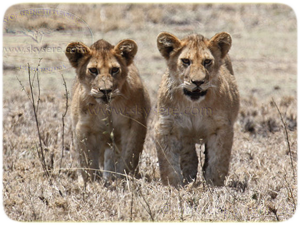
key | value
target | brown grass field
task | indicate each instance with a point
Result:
(262, 182)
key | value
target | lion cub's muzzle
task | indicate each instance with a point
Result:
(102, 95)
(194, 90)
(106, 95)
(195, 94)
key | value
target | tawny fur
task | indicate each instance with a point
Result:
(109, 108)
(208, 118)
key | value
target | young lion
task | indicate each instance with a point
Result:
(109, 108)
(198, 102)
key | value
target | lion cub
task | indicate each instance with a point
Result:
(109, 108)
(198, 102)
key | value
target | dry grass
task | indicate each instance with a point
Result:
(260, 185)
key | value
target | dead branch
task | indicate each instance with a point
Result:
(287, 139)
(63, 121)
(34, 107)
(147, 208)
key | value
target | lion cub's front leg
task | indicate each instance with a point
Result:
(217, 156)
(168, 151)
(188, 159)
(109, 163)
(89, 152)
(132, 146)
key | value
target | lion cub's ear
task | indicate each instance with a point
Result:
(222, 42)
(127, 50)
(167, 43)
(75, 51)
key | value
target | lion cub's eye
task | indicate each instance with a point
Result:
(207, 62)
(186, 62)
(93, 71)
(115, 70)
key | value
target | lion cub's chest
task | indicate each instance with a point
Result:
(197, 125)
(102, 117)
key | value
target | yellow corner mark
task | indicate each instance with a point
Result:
(150, 1)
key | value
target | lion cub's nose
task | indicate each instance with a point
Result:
(105, 91)
(197, 82)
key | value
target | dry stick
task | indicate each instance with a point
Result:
(84, 168)
(131, 203)
(63, 122)
(109, 124)
(29, 98)
(23, 88)
(289, 189)
(38, 83)
(42, 158)
(148, 209)
(274, 211)
(287, 139)
(180, 206)
(39, 88)
(202, 174)
(131, 206)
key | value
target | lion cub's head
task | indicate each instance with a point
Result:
(102, 68)
(194, 61)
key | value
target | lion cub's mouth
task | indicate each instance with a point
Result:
(195, 94)
(103, 99)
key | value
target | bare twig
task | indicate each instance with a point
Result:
(289, 189)
(131, 206)
(180, 206)
(39, 88)
(132, 199)
(273, 210)
(23, 88)
(148, 209)
(63, 121)
(287, 139)
(41, 155)
(38, 84)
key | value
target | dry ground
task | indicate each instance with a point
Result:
(261, 185)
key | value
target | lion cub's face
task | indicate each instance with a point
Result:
(194, 61)
(102, 68)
